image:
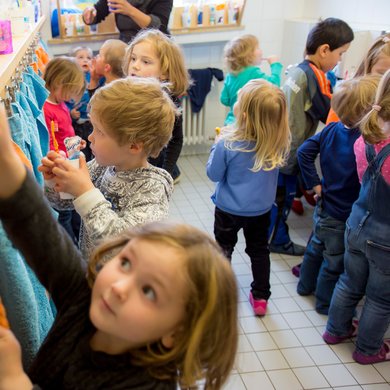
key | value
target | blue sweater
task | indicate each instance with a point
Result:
(340, 182)
(240, 191)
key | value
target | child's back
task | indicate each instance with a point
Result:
(243, 56)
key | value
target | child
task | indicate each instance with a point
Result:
(376, 61)
(243, 56)
(308, 95)
(119, 188)
(366, 260)
(65, 81)
(79, 112)
(323, 261)
(157, 308)
(153, 54)
(107, 64)
(243, 162)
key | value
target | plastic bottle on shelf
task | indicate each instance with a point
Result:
(213, 14)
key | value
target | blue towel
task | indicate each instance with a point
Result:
(28, 309)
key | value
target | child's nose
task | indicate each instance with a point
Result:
(121, 289)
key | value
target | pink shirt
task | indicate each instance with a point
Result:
(57, 117)
(361, 161)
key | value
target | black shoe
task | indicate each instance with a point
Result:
(290, 248)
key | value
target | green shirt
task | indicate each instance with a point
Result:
(234, 82)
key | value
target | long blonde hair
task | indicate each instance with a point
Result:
(380, 48)
(170, 56)
(370, 127)
(136, 110)
(262, 119)
(240, 52)
(206, 345)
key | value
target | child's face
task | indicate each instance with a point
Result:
(382, 65)
(144, 62)
(106, 149)
(332, 57)
(100, 61)
(258, 55)
(83, 58)
(139, 296)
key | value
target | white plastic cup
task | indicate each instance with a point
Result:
(64, 195)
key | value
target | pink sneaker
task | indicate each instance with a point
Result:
(382, 356)
(259, 305)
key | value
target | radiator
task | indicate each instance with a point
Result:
(194, 127)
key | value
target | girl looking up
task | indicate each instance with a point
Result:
(244, 163)
(153, 54)
(158, 307)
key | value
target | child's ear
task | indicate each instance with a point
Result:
(107, 68)
(324, 50)
(168, 341)
(136, 147)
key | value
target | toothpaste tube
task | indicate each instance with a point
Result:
(72, 145)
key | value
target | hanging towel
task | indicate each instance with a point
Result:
(3, 317)
(18, 296)
(201, 85)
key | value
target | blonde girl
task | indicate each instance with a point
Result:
(366, 259)
(162, 310)
(242, 57)
(244, 163)
(153, 54)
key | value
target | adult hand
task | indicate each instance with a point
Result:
(120, 7)
(68, 178)
(12, 375)
(318, 190)
(89, 15)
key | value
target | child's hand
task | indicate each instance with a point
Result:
(67, 178)
(12, 375)
(48, 164)
(83, 144)
(12, 170)
(272, 59)
(75, 113)
(318, 190)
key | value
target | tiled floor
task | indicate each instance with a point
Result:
(283, 350)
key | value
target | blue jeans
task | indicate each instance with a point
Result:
(285, 192)
(366, 273)
(323, 261)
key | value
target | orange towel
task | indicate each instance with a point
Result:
(22, 156)
(3, 317)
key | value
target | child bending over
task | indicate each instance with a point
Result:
(244, 162)
(366, 259)
(132, 119)
(149, 315)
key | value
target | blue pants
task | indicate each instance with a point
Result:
(366, 273)
(286, 190)
(323, 261)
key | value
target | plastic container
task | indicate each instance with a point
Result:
(5, 37)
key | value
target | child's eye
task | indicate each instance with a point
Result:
(125, 263)
(149, 293)
(132, 58)
(146, 62)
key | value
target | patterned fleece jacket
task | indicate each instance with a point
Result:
(118, 201)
